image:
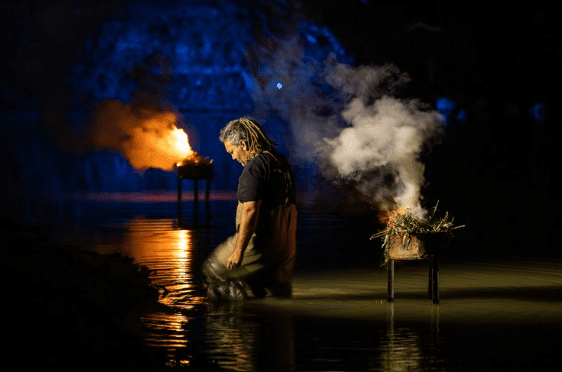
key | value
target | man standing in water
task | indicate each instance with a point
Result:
(260, 256)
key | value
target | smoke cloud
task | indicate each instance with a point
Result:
(144, 131)
(381, 149)
(147, 137)
(349, 121)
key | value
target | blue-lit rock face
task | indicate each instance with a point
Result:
(204, 61)
(205, 46)
(199, 60)
(186, 58)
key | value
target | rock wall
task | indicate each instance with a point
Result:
(201, 59)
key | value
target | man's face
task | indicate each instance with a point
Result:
(239, 153)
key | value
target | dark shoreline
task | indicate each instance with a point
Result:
(67, 307)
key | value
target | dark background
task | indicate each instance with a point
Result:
(491, 70)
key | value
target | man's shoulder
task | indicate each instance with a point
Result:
(256, 167)
(261, 160)
(273, 157)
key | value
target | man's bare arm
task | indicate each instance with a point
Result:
(248, 221)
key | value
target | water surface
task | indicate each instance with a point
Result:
(494, 314)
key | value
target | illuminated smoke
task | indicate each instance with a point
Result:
(380, 150)
(145, 131)
(346, 120)
(147, 137)
(357, 131)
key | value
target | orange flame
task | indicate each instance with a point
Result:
(147, 137)
(158, 143)
(389, 216)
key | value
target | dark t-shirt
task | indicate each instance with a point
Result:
(268, 178)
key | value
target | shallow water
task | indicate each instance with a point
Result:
(493, 314)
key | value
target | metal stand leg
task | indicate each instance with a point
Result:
(207, 205)
(390, 281)
(179, 200)
(195, 202)
(430, 282)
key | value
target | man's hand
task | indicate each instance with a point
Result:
(235, 259)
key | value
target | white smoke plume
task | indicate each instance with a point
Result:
(347, 120)
(373, 142)
(380, 150)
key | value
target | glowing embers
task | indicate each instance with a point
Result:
(415, 247)
(195, 166)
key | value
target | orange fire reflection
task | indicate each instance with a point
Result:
(169, 252)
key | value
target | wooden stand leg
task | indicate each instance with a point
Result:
(435, 284)
(390, 281)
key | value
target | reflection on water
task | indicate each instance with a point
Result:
(401, 352)
(242, 339)
(402, 347)
(226, 336)
(232, 339)
(172, 255)
(338, 318)
(378, 343)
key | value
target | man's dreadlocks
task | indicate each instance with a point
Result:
(247, 130)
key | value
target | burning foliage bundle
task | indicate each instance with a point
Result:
(405, 224)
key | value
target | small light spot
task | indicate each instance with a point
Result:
(279, 85)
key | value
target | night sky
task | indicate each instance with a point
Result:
(491, 69)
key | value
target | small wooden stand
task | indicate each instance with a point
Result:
(194, 172)
(418, 247)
